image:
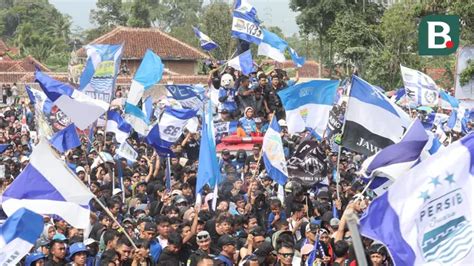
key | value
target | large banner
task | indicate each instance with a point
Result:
(307, 163)
(185, 95)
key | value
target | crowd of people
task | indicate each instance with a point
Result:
(250, 225)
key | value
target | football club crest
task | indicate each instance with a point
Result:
(444, 221)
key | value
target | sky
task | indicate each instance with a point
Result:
(272, 12)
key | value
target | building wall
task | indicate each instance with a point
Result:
(180, 67)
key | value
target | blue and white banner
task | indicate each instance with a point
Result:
(102, 67)
(273, 155)
(272, 46)
(448, 101)
(245, 28)
(244, 7)
(428, 210)
(186, 95)
(373, 122)
(47, 186)
(18, 235)
(307, 105)
(420, 88)
(243, 62)
(79, 107)
(172, 123)
(206, 42)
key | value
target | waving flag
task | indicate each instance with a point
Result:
(18, 235)
(102, 67)
(80, 108)
(245, 28)
(372, 121)
(298, 60)
(206, 42)
(242, 62)
(308, 105)
(420, 88)
(126, 151)
(244, 7)
(117, 125)
(395, 160)
(148, 74)
(273, 155)
(208, 169)
(66, 139)
(154, 139)
(447, 99)
(272, 46)
(47, 186)
(434, 119)
(172, 123)
(429, 210)
(4, 147)
(186, 95)
(39, 100)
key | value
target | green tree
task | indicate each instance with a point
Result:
(109, 13)
(139, 14)
(216, 22)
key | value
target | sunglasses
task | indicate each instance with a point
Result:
(202, 237)
(287, 255)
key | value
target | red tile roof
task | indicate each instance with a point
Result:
(138, 40)
(3, 46)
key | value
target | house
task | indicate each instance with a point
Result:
(309, 71)
(178, 57)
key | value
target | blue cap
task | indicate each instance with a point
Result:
(59, 237)
(33, 257)
(75, 248)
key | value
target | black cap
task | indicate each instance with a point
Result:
(225, 152)
(225, 240)
(149, 226)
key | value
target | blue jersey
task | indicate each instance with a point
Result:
(229, 102)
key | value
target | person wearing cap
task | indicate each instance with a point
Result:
(227, 245)
(77, 254)
(203, 239)
(35, 259)
(305, 252)
(57, 253)
(378, 254)
(43, 246)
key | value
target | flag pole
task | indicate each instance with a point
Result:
(338, 176)
(352, 221)
(109, 213)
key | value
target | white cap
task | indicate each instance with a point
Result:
(79, 169)
(282, 123)
(116, 191)
(24, 159)
(89, 241)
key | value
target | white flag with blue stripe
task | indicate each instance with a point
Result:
(242, 62)
(298, 60)
(80, 108)
(373, 122)
(272, 46)
(148, 74)
(244, 7)
(420, 88)
(47, 186)
(307, 105)
(172, 123)
(206, 42)
(18, 235)
(273, 155)
(117, 125)
(246, 27)
(382, 168)
(426, 217)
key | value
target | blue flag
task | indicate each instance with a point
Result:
(18, 235)
(206, 42)
(208, 169)
(242, 62)
(161, 147)
(273, 154)
(298, 60)
(4, 147)
(66, 139)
